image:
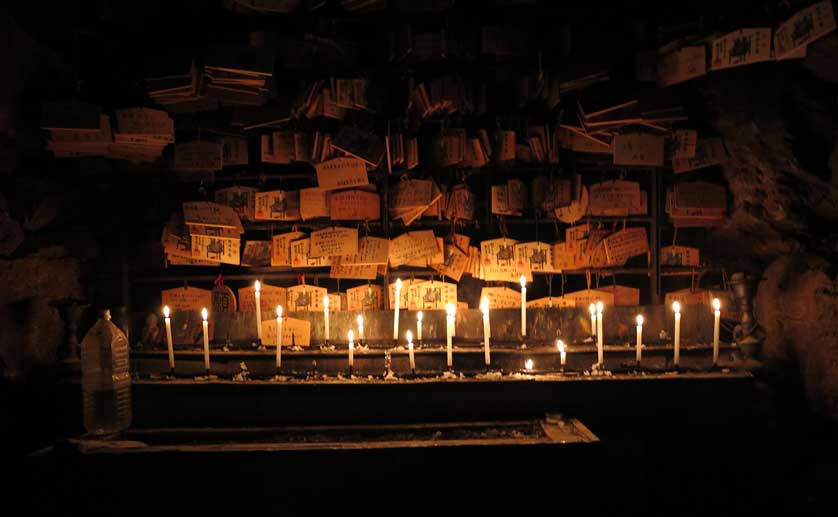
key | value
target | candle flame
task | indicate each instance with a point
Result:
(639, 320)
(326, 301)
(592, 308)
(409, 337)
(398, 284)
(484, 306)
(450, 309)
(279, 311)
(560, 345)
(257, 286)
(350, 335)
(204, 313)
(360, 320)
(523, 281)
(528, 365)
(599, 306)
(676, 307)
(166, 311)
(717, 304)
(419, 315)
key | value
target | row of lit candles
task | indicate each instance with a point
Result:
(596, 311)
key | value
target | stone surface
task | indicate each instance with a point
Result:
(31, 332)
(797, 305)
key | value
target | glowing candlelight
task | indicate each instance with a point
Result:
(528, 365)
(256, 288)
(360, 320)
(677, 308)
(523, 281)
(396, 313)
(562, 353)
(484, 308)
(419, 317)
(599, 307)
(169, 344)
(639, 337)
(717, 306)
(451, 311)
(205, 315)
(326, 318)
(278, 336)
(351, 336)
(410, 351)
(592, 308)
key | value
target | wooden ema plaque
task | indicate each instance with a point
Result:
(576, 209)
(454, 263)
(200, 155)
(615, 197)
(576, 139)
(624, 244)
(241, 199)
(501, 297)
(586, 297)
(804, 27)
(305, 298)
(295, 332)
(551, 302)
(278, 205)
(371, 251)
(497, 257)
(300, 256)
(624, 296)
(460, 204)
(216, 244)
(269, 297)
(681, 144)
(537, 256)
(364, 298)
(187, 299)
(352, 271)
(256, 254)
(354, 205)
(679, 256)
(405, 301)
(204, 213)
(431, 295)
(689, 297)
(340, 173)
(638, 149)
(281, 248)
(741, 47)
(412, 246)
(223, 299)
(313, 204)
(708, 152)
(334, 242)
(681, 65)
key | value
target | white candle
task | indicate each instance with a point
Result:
(528, 364)
(523, 280)
(169, 344)
(592, 308)
(351, 336)
(599, 307)
(677, 308)
(278, 336)
(639, 337)
(256, 288)
(484, 308)
(562, 353)
(360, 320)
(410, 350)
(396, 312)
(206, 339)
(326, 318)
(450, 310)
(717, 305)
(419, 317)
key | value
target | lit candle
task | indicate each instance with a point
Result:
(639, 337)
(484, 308)
(450, 310)
(396, 313)
(278, 336)
(168, 321)
(419, 317)
(599, 352)
(360, 320)
(528, 365)
(677, 308)
(256, 288)
(326, 318)
(592, 308)
(562, 353)
(351, 336)
(523, 280)
(410, 351)
(206, 340)
(717, 305)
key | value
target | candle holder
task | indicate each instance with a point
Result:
(70, 310)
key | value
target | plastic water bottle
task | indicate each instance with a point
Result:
(106, 382)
